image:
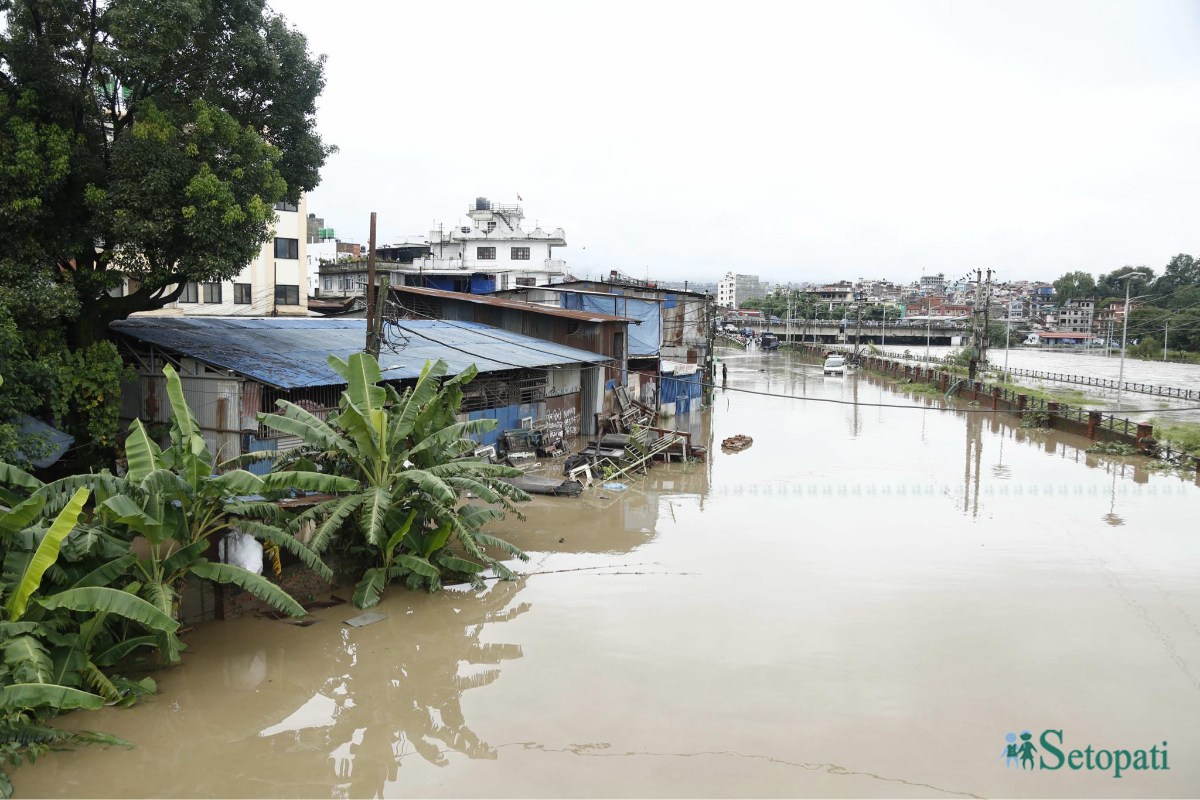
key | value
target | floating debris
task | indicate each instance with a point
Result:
(368, 618)
(736, 443)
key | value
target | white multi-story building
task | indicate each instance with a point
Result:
(734, 289)
(494, 250)
(276, 283)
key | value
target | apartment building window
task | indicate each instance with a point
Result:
(520, 254)
(284, 205)
(329, 283)
(191, 293)
(212, 292)
(485, 253)
(526, 282)
(241, 293)
(286, 295)
(287, 248)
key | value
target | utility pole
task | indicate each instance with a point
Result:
(371, 344)
(857, 331)
(1166, 327)
(928, 325)
(710, 333)
(979, 323)
(380, 304)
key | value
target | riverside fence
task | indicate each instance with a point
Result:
(1059, 377)
(1093, 425)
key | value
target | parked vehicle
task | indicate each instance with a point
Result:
(834, 365)
(769, 341)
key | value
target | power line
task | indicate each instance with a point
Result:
(712, 384)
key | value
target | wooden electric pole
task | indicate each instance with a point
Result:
(380, 305)
(369, 293)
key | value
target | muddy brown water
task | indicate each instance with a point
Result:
(863, 603)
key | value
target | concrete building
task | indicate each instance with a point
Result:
(840, 293)
(1075, 316)
(932, 284)
(275, 283)
(495, 248)
(733, 290)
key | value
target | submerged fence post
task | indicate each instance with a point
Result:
(1144, 438)
(995, 397)
(1093, 424)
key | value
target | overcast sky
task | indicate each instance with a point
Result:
(795, 140)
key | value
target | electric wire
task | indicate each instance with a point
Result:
(712, 384)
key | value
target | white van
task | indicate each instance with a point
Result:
(835, 365)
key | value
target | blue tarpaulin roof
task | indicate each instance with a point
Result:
(292, 353)
(57, 442)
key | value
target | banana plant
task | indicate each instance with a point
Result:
(57, 646)
(175, 498)
(57, 642)
(410, 461)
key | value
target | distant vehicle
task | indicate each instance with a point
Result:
(769, 342)
(747, 331)
(731, 328)
(775, 320)
(834, 365)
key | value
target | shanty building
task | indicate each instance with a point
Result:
(606, 334)
(668, 351)
(234, 368)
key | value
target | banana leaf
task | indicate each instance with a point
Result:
(45, 555)
(256, 585)
(103, 599)
(141, 452)
(21, 514)
(286, 541)
(15, 476)
(370, 588)
(43, 695)
(308, 481)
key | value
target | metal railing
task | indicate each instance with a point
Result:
(1107, 383)
(1059, 377)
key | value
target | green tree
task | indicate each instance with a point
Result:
(1111, 287)
(1074, 284)
(1183, 272)
(409, 460)
(148, 141)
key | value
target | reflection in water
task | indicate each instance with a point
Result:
(972, 461)
(1112, 517)
(395, 690)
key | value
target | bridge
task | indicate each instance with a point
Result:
(824, 331)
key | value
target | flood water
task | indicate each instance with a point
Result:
(863, 603)
(1094, 364)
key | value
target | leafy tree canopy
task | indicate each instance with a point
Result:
(149, 140)
(1074, 284)
(1111, 286)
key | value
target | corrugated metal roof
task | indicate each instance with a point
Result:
(500, 302)
(292, 353)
